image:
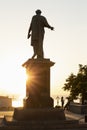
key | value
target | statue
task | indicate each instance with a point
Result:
(36, 31)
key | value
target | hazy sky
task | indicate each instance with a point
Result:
(66, 45)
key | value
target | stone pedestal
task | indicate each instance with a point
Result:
(38, 83)
(38, 104)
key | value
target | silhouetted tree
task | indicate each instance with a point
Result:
(77, 84)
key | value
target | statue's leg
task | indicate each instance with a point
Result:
(35, 52)
(40, 51)
(41, 54)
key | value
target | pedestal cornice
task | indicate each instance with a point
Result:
(30, 62)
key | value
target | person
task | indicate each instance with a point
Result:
(36, 31)
(67, 105)
(62, 102)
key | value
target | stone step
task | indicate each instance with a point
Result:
(43, 125)
(42, 128)
(22, 114)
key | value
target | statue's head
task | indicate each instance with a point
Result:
(38, 11)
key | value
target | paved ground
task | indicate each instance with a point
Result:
(73, 116)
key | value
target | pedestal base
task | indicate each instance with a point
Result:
(39, 102)
(22, 114)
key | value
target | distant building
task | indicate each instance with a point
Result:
(5, 102)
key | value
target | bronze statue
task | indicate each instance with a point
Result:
(38, 23)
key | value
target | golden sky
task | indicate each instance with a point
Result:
(66, 45)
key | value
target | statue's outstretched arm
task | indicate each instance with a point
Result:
(47, 24)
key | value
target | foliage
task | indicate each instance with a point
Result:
(77, 84)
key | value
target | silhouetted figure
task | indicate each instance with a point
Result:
(67, 105)
(62, 102)
(38, 23)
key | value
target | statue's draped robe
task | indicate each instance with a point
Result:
(37, 25)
